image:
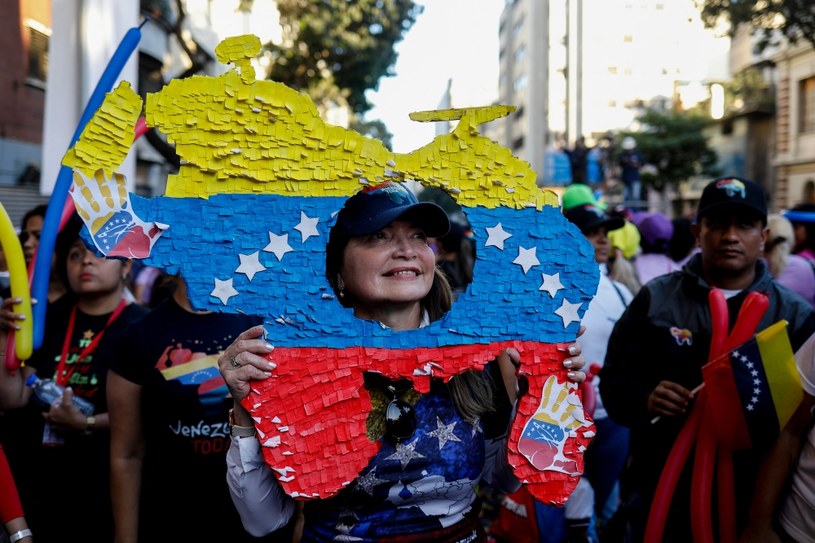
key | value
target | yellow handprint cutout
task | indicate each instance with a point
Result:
(544, 435)
(105, 208)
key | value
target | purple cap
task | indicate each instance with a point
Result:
(655, 229)
(375, 207)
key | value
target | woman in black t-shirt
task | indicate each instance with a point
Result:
(60, 456)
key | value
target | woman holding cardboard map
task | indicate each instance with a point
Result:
(435, 447)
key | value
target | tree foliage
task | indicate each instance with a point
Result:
(795, 19)
(748, 91)
(339, 48)
(674, 144)
(374, 129)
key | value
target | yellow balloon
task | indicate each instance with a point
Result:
(24, 338)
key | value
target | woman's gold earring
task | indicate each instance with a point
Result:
(341, 287)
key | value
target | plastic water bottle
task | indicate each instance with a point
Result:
(49, 392)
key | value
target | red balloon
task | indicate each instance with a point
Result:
(702, 482)
(670, 475)
(727, 496)
(718, 323)
(752, 310)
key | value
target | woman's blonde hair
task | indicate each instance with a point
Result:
(779, 243)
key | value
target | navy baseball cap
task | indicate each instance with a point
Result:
(375, 207)
(588, 217)
(730, 192)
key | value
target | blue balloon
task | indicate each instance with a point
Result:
(42, 264)
(800, 216)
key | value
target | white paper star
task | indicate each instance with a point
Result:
(496, 236)
(250, 265)
(279, 245)
(307, 227)
(444, 433)
(223, 290)
(527, 258)
(551, 284)
(568, 312)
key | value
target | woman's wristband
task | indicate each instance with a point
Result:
(20, 534)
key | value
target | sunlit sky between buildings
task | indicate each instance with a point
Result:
(458, 40)
(455, 39)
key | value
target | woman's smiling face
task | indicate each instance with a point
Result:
(389, 269)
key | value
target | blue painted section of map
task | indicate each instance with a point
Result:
(206, 236)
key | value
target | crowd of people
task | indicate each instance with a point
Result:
(156, 460)
(600, 163)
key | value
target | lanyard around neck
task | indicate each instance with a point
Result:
(62, 375)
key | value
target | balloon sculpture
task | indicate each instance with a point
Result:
(711, 452)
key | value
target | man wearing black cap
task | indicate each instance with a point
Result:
(663, 339)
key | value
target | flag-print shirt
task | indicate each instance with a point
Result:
(423, 485)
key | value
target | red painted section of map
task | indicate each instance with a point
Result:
(311, 413)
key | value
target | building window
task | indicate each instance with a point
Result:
(517, 28)
(628, 38)
(37, 52)
(612, 70)
(808, 194)
(807, 105)
(518, 143)
(519, 83)
(520, 53)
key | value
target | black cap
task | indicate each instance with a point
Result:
(375, 207)
(588, 217)
(732, 192)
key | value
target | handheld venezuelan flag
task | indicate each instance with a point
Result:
(754, 389)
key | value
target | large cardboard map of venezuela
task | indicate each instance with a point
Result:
(246, 221)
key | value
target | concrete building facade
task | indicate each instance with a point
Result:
(524, 78)
(794, 160)
(25, 28)
(589, 67)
